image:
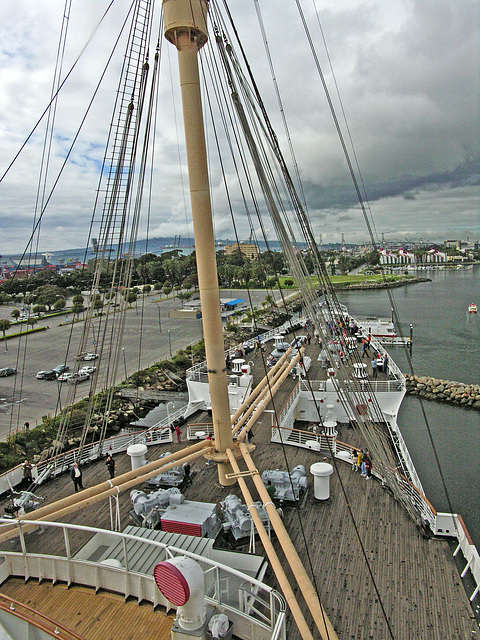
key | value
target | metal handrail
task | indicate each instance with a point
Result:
(28, 614)
(410, 493)
(216, 569)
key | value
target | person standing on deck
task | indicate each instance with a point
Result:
(364, 346)
(178, 433)
(359, 460)
(271, 490)
(367, 345)
(76, 476)
(385, 364)
(374, 368)
(364, 464)
(110, 462)
(368, 467)
(27, 474)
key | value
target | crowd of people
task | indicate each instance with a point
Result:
(363, 463)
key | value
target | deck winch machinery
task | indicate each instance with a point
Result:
(149, 508)
(287, 486)
(171, 478)
(237, 518)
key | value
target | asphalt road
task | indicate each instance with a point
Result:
(23, 398)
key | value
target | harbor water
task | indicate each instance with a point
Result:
(446, 345)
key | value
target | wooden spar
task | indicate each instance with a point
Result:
(260, 387)
(323, 624)
(272, 555)
(269, 390)
(152, 468)
(112, 491)
(186, 28)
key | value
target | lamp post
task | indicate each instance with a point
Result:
(159, 320)
(168, 412)
(124, 363)
(272, 415)
(169, 343)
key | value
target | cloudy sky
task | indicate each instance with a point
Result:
(408, 77)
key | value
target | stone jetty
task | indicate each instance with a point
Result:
(448, 391)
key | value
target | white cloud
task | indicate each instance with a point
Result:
(407, 73)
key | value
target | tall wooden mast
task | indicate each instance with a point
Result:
(186, 28)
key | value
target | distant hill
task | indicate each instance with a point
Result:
(156, 246)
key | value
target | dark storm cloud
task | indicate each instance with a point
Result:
(408, 76)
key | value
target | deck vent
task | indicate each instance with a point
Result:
(182, 582)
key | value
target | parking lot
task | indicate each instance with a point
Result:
(24, 398)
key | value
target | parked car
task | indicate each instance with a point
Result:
(87, 369)
(78, 377)
(90, 356)
(47, 375)
(61, 368)
(63, 377)
(7, 371)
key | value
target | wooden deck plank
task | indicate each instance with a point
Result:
(92, 616)
(419, 586)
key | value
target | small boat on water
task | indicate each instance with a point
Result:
(472, 308)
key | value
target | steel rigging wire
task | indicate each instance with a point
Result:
(45, 202)
(374, 244)
(272, 207)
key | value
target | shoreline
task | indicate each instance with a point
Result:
(366, 286)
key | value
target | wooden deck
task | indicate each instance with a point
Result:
(101, 616)
(417, 581)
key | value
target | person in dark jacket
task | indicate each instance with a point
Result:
(110, 462)
(27, 474)
(76, 476)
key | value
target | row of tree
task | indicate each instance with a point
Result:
(47, 290)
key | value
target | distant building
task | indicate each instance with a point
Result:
(451, 244)
(396, 257)
(434, 256)
(248, 250)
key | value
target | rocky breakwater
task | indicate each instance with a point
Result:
(457, 393)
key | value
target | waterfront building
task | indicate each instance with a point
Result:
(249, 250)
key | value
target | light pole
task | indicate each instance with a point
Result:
(168, 412)
(169, 343)
(124, 363)
(272, 415)
(159, 320)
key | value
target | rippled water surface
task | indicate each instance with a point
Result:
(446, 346)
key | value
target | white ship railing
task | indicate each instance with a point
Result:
(199, 431)
(286, 327)
(375, 386)
(63, 462)
(259, 613)
(304, 439)
(160, 432)
(443, 524)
